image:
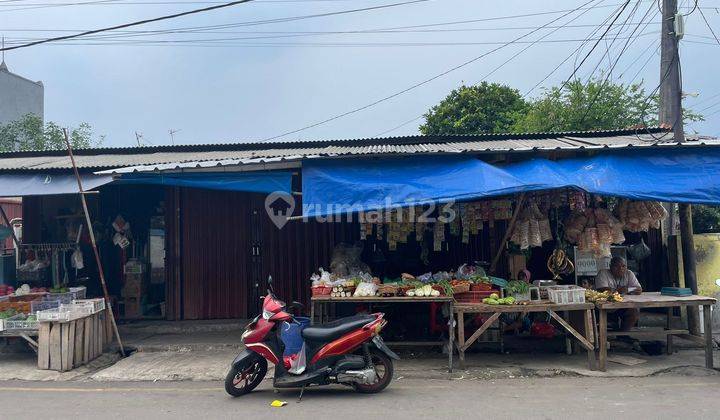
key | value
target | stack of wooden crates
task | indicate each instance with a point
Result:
(65, 345)
(133, 288)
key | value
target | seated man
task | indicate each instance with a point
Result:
(619, 279)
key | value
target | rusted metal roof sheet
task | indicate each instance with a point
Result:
(160, 158)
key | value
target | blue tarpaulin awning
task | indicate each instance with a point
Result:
(261, 182)
(340, 186)
(23, 185)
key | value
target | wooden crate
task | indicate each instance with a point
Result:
(63, 346)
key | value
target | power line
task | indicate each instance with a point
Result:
(176, 15)
(281, 34)
(607, 78)
(587, 39)
(193, 29)
(577, 67)
(555, 29)
(126, 25)
(35, 6)
(416, 85)
(654, 53)
(225, 42)
(708, 25)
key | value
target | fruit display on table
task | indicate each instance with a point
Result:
(599, 297)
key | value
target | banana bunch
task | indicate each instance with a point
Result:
(559, 263)
(600, 297)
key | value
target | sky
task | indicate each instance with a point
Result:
(208, 86)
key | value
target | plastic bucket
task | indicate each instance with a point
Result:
(291, 335)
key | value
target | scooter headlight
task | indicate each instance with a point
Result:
(267, 314)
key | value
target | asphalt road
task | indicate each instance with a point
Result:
(527, 398)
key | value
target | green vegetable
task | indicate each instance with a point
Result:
(518, 287)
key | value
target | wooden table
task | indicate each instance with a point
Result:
(320, 301)
(26, 335)
(587, 340)
(655, 300)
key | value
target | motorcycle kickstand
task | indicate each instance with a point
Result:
(302, 390)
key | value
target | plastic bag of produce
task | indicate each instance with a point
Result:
(346, 260)
(366, 289)
(425, 277)
(639, 251)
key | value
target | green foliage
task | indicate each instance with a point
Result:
(29, 133)
(706, 219)
(595, 105)
(484, 108)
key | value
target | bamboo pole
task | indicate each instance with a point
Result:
(94, 244)
(508, 232)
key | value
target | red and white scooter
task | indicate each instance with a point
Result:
(347, 351)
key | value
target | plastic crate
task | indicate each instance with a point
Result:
(73, 293)
(44, 304)
(94, 305)
(20, 324)
(17, 322)
(566, 294)
(321, 290)
(474, 296)
(59, 315)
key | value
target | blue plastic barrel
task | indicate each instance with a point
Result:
(291, 335)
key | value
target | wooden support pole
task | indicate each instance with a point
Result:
(689, 264)
(93, 243)
(707, 322)
(508, 232)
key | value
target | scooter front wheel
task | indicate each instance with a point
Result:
(244, 378)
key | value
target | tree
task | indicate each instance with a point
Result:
(484, 108)
(596, 105)
(706, 219)
(29, 133)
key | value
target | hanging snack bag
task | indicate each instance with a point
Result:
(545, 231)
(524, 228)
(534, 238)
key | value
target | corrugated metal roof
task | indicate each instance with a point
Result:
(203, 156)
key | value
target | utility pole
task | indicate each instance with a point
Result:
(671, 116)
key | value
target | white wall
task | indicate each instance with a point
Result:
(18, 97)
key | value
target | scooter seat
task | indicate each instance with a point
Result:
(335, 329)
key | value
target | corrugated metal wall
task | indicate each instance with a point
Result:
(222, 246)
(211, 269)
(214, 250)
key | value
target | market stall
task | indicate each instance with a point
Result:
(36, 315)
(655, 300)
(565, 236)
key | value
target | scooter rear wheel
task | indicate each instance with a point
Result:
(243, 379)
(384, 371)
